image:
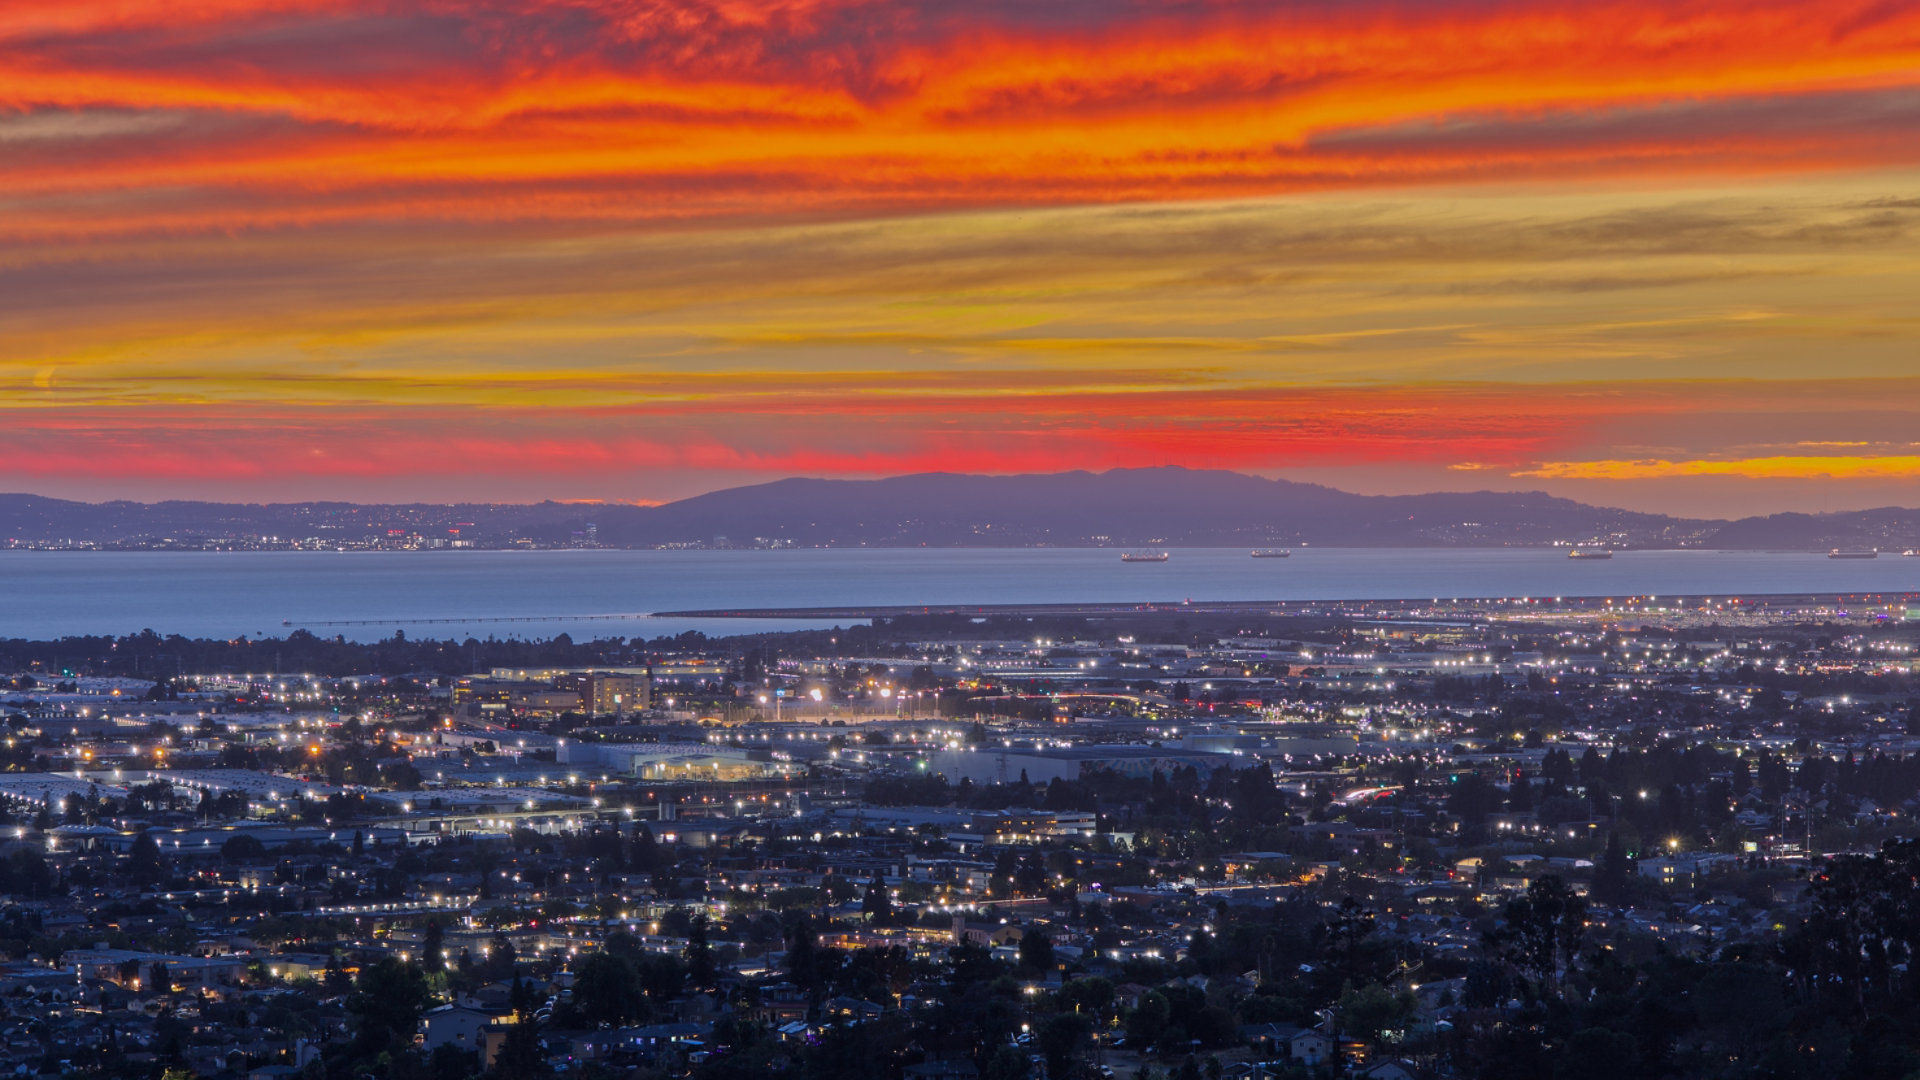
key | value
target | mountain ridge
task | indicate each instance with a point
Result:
(1169, 506)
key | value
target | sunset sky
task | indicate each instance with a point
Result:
(1663, 255)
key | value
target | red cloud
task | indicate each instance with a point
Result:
(304, 112)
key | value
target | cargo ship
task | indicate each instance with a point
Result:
(1590, 553)
(1271, 553)
(1143, 556)
(1842, 553)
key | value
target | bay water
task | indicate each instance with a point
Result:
(368, 595)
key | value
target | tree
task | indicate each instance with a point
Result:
(839, 889)
(500, 956)
(804, 965)
(387, 1002)
(1036, 950)
(1148, 1021)
(520, 1055)
(1347, 931)
(521, 997)
(241, 848)
(143, 859)
(1093, 995)
(607, 991)
(701, 967)
(645, 856)
(433, 948)
(878, 903)
(449, 1062)
(1598, 1054)
(1615, 870)
(1201, 949)
(1863, 920)
(1368, 1013)
(1060, 1037)
(662, 976)
(1007, 1063)
(1544, 927)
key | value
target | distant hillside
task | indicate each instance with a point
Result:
(1124, 507)
(1889, 529)
(34, 518)
(1121, 508)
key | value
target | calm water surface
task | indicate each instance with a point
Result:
(48, 594)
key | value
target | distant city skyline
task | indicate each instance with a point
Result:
(1643, 256)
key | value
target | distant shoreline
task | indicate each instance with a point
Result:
(1298, 550)
(1120, 508)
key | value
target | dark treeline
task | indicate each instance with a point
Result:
(1547, 991)
(151, 656)
(148, 654)
(1553, 995)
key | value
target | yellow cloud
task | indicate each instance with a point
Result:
(1898, 466)
(1570, 292)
